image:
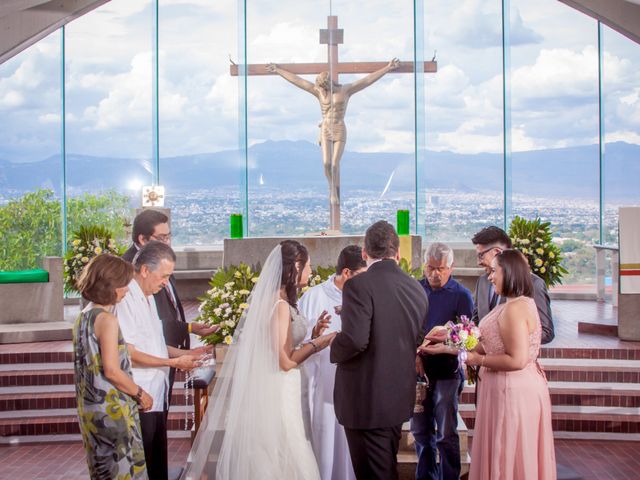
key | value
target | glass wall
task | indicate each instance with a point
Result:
(108, 93)
(30, 162)
(463, 169)
(151, 93)
(554, 114)
(200, 164)
(288, 187)
(621, 106)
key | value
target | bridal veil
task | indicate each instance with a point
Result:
(242, 435)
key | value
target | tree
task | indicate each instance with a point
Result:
(31, 225)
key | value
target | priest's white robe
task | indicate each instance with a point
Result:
(327, 435)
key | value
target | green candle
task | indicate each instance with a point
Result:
(235, 223)
(402, 225)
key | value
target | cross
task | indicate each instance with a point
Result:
(332, 36)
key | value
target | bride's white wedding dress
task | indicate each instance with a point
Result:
(256, 425)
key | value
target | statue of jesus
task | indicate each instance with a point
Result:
(333, 99)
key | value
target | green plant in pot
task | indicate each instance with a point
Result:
(534, 239)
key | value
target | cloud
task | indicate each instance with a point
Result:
(477, 24)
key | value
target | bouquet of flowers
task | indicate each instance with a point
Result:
(86, 243)
(226, 301)
(465, 336)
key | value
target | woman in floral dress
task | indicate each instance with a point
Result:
(107, 397)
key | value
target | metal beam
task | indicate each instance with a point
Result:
(620, 15)
(23, 23)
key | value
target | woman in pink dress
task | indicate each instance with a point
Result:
(513, 437)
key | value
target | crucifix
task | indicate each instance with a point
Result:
(333, 98)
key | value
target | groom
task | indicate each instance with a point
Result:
(382, 313)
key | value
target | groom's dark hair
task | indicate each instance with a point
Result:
(350, 257)
(381, 240)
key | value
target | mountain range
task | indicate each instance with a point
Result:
(563, 172)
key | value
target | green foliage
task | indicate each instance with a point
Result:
(533, 239)
(31, 225)
(415, 272)
(88, 242)
(30, 228)
(318, 275)
(109, 209)
(226, 300)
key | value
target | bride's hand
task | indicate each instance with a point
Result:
(324, 320)
(325, 340)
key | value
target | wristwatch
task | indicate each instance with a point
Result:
(138, 396)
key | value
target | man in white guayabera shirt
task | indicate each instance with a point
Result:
(151, 357)
(327, 435)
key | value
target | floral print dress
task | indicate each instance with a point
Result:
(109, 420)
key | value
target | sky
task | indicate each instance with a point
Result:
(109, 57)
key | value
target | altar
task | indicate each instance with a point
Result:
(323, 250)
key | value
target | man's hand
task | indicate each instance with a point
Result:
(325, 340)
(146, 402)
(203, 330)
(393, 64)
(419, 366)
(200, 351)
(436, 349)
(271, 67)
(324, 320)
(437, 335)
(184, 362)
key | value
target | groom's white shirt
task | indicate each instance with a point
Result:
(327, 435)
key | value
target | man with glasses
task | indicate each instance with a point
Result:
(437, 426)
(489, 242)
(152, 225)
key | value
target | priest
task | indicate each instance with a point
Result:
(327, 435)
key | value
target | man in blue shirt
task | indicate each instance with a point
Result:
(437, 426)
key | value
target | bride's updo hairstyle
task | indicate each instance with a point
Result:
(516, 275)
(294, 258)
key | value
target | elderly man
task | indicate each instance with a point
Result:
(151, 356)
(489, 242)
(150, 225)
(437, 426)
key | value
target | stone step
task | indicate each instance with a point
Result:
(592, 353)
(582, 393)
(41, 397)
(53, 374)
(62, 421)
(35, 332)
(66, 438)
(567, 418)
(591, 370)
(39, 352)
(61, 351)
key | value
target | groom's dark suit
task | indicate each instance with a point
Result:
(382, 313)
(482, 301)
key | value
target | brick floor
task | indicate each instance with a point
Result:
(63, 461)
(593, 460)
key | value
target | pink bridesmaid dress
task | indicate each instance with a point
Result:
(513, 437)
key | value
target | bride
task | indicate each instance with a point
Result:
(255, 425)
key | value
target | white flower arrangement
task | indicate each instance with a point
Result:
(226, 301)
(86, 243)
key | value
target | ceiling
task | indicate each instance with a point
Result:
(620, 15)
(24, 22)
